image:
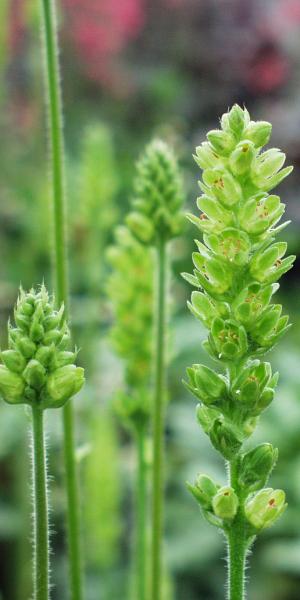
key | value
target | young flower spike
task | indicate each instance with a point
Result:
(156, 219)
(36, 369)
(130, 289)
(237, 267)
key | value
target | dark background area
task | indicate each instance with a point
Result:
(132, 70)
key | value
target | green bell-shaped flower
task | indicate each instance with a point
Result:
(204, 489)
(207, 385)
(225, 503)
(254, 387)
(265, 507)
(256, 466)
(12, 386)
(227, 340)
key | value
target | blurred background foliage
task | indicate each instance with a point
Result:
(132, 70)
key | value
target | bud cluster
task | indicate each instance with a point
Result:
(158, 196)
(130, 289)
(237, 267)
(38, 369)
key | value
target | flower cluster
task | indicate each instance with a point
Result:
(158, 196)
(38, 369)
(130, 288)
(236, 272)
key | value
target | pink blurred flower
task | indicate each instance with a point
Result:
(99, 30)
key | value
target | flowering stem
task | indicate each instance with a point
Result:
(55, 119)
(158, 423)
(41, 529)
(141, 500)
(237, 544)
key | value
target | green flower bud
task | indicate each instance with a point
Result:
(254, 388)
(206, 157)
(225, 503)
(266, 169)
(251, 303)
(54, 336)
(158, 195)
(265, 507)
(225, 438)
(202, 307)
(256, 466)
(241, 158)
(222, 142)
(236, 119)
(206, 417)
(203, 490)
(11, 386)
(214, 216)
(35, 374)
(223, 186)
(140, 226)
(213, 273)
(259, 132)
(205, 384)
(232, 244)
(228, 340)
(64, 358)
(133, 409)
(45, 354)
(62, 384)
(13, 360)
(268, 266)
(26, 346)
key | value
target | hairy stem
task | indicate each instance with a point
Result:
(55, 120)
(158, 423)
(40, 512)
(141, 506)
(237, 544)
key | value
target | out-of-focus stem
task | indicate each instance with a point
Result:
(158, 423)
(55, 123)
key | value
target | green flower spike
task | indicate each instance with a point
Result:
(37, 369)
(130, 289)
(155, 220)
(236, 269)
(158, 196)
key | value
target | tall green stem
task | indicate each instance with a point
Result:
(141, 508)
(41, 529)
(55, 119)
(237, 545)
(158, 423)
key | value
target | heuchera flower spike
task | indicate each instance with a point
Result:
(237, 266)
(37, 368)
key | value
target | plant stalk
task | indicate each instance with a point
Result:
(158, 423)
(237, 545)
(40, 509)
(141, 510)
(55, 122)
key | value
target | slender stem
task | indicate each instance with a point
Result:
(73, 505)
(158, 424)
(237, 545)
(41, 528)
(141, 508)
(55, 119)
(55, 123)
